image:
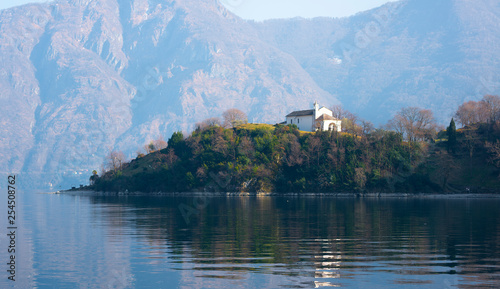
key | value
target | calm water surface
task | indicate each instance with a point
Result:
(88, 241)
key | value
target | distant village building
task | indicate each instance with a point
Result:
(314, 119)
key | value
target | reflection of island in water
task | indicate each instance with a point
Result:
(318, 241)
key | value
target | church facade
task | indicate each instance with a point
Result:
(318, 118)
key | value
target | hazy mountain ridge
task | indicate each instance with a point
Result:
(85, 77)
(433, 54)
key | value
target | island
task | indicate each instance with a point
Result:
(246, 158)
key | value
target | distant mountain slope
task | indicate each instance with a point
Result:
(428, 53)
(79, 78)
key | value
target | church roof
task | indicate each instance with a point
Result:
(301, 113)
(326, 117)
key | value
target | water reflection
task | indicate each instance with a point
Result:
(313, 242)
(233, 242)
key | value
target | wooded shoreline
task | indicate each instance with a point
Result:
(409, 155)
(293, 195)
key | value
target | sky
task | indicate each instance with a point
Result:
(10, 3)
(268, 9)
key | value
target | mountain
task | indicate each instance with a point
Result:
(429, 53)
(80, 78)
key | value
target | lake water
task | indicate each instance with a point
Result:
(84, 241)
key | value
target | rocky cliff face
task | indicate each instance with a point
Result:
(80, 78)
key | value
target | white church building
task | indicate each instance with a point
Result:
(314, 119)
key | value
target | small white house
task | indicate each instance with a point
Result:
(314, 119)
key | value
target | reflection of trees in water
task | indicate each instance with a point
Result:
(319, 233)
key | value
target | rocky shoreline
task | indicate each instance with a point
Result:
(262, 194)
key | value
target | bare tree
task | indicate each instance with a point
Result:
(295, 156)
(471, 140)
(341, 113)
(414, 123)
(220, 145)
(471, 112)
(246, 147)
(466, 113)
(367, 127)
(159, 143)
(171, 157)
(152, 146)
(234, 117)
(397, 124)
(314, 149)
(492, 106)
(486, 110)
(140, 153)
(494, 151)
(212, 121)
(115, 160)
(349, 119)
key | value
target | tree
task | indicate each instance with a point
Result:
(487, 110)
(367, 127)
(360, 178)
(414, 123)
(149, 148)
(206, 123)
(155, 145)
(115, 160)
(340, 113)
(178, 143)
(471, 140)
(140, 153)
(295, 156)
(492, 107)
(349, 119)
(93, 178)
(234, 117)
(350, 125)
(246, 147)
(220, 145)
(160, 143)
(494, 151)
(176, 138)
(472, 112)
(451, 131)
(314, 149)
(171, 157)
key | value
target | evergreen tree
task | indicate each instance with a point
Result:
(176, 139)
(451, 131)
(177, 143)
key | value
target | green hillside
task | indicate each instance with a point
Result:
(280, 159)
(471, 167)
